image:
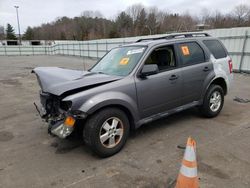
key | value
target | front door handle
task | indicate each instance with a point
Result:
(173, 77)
(206, 69)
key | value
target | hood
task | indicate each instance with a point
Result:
(57, 81)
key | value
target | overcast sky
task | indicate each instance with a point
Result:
(36, 12)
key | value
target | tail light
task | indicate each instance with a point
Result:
(230, 65)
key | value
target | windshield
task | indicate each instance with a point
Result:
(119, 61)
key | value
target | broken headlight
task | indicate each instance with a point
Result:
(65, 105)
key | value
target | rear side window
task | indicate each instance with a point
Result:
(215, 48)
(191, 53)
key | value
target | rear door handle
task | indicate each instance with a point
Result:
(173, 77)
(206, 69)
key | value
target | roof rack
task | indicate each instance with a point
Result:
(177, 35)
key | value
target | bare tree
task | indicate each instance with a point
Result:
(136, 20)
(152, 24)
(205, 15)
(92, 14)
(242, 13)
(134, 11)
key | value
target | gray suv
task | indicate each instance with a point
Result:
(132, 85)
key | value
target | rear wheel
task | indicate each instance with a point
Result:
(106, 131)
(213, 101)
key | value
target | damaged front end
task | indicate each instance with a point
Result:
(58, 83)
(56, 113)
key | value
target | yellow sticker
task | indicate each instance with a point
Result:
(124, 61)
(185, 50)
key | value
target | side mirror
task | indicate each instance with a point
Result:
(148, 70)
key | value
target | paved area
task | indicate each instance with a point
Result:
(29, 157)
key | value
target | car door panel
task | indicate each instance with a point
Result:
(195, 68)
(193, 79)
(158, 93)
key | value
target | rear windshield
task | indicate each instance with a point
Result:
(215, 48)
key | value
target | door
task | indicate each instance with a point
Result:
(195, 69)
(160, 92)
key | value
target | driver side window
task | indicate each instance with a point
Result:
(164, 57)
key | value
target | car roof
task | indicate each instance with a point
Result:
(172, 38)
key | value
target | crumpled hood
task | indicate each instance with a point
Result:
(57, 81)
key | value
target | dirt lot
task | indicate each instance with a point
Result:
(29, 157)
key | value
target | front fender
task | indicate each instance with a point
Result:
(110, 98)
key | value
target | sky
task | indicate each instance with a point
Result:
(35, 12)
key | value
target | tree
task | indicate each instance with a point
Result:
(1, 32)
(92, 14)
(29, 34)
(10, 32)
(242, 13)
(124, 24)
(62, 36)
(140, 23)
(134, 21)
(151, 22)
(134, 11)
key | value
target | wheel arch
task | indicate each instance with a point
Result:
(221, 82)
(216, 81)
(126, 110)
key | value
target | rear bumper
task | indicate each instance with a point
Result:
(229, 82)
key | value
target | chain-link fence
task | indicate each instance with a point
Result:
(75, 48)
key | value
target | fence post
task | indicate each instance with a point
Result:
(97, 55)
(19, 49)
(51, 51)
(243, 51)
(106, 46)
(45, 50)
(55, 49)
(59, 49)
(67, 48)
(32, 50)
(88, 48)
(5, 49)
(80, 53)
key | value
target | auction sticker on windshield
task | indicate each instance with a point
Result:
(136, 51)
(124, 61)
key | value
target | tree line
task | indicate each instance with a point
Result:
(135, 20)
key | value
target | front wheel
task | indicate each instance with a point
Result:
(213, 101)
(106, 131)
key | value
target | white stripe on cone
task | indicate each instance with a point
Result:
(189, 154)
(188, 172)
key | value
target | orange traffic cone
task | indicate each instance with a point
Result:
(187, 177)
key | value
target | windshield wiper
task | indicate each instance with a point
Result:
(100, 72)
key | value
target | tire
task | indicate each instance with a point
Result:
(212, 104)
(100, 125)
